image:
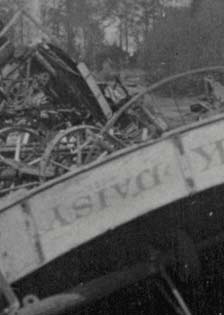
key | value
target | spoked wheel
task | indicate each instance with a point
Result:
(20, 151)
(75, 147)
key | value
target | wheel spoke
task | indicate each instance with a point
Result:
(60, 165)
(79, 151)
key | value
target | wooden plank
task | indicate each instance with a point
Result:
(18, 254)
(79, 206)
(157, 121)
(88, 77)
(204, 148)
(107, 197)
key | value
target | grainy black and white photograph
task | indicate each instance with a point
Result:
(112, 157)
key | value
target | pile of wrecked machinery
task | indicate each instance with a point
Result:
(55, 117)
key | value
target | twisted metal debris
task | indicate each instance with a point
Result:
(55, 117)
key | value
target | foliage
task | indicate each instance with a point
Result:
(181, 41)
(163, 40)
(114, 53)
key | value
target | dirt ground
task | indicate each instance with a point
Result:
(176, 112)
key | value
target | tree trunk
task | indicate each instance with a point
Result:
(126, 33)
(34, 8)
(146, 32)
(121, 34)
(68, 26)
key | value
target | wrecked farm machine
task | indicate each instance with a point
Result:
(47, 103)
(53, 115)
(111, 199)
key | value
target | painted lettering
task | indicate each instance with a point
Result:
(83, 206)
(122, 189)
(59, 218)
(147, 179)
(80, 208)
(130, 187)
(52, 219)
(208, 157)
(103, 199)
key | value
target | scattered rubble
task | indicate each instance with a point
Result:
(52, 116)
(55, 117)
